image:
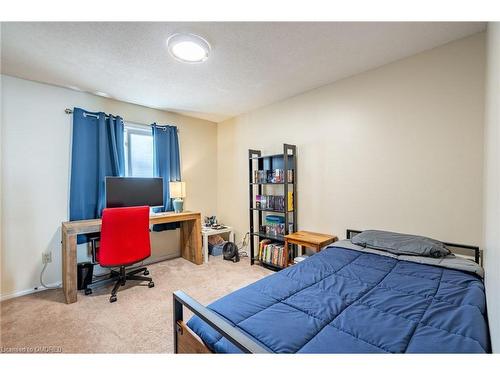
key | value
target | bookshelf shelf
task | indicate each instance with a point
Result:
(277, 238)
(271, 210)
(265, 169)
(265, 156)
(270, 183)
(271, 266)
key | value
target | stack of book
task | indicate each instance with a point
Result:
(260, 177)
(278, 176)
(275, 225)
(274, 202)
(272, 253)
(270, 202)
(275, 176)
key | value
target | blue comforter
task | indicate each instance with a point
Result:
(345, 301)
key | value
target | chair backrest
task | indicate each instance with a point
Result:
(124, 236)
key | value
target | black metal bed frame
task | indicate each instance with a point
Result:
(477, 252)
(234, 334)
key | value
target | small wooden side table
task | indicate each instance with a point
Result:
(312, 240)
(207, 232)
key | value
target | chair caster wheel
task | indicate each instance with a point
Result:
(146, 273)
(88, 291)
(112, 299)
(151, 284)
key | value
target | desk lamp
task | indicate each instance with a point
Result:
(177, 192)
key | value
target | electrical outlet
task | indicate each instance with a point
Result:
(47, 257)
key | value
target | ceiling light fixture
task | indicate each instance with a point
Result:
(188, 48)
(103, 94)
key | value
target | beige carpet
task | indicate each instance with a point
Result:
(139, 322)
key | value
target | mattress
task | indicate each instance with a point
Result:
(346, 301)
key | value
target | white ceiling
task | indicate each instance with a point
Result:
(251, 64)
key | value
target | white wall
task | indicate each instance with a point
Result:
(398, 148)
(492, 183)
(35, 174)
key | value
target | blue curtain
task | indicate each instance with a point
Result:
(166, 164)
(97, 152)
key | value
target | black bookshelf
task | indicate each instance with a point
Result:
(287, 160)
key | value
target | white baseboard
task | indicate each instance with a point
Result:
(21, 293)
(5, 297)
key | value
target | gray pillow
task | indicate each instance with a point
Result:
(399, 243)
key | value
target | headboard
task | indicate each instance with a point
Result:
(464, 250)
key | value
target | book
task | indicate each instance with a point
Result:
(276, 176)
(258, 200)
(262, 246)
(260, 176)
(269, 176)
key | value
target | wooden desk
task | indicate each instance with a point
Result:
(312, 240)
(190, 243)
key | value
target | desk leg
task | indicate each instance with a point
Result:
(191, 241)
(69, 266)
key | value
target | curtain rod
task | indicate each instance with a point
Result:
(70, 111)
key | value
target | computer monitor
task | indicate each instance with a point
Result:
(134, 191)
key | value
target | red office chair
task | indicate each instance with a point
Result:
(124, 241)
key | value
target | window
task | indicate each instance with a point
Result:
(138, 151)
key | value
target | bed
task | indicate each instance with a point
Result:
(345, 299)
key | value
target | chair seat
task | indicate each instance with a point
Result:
(96, 256)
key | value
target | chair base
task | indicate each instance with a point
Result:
(121, 277)
(132, 275)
